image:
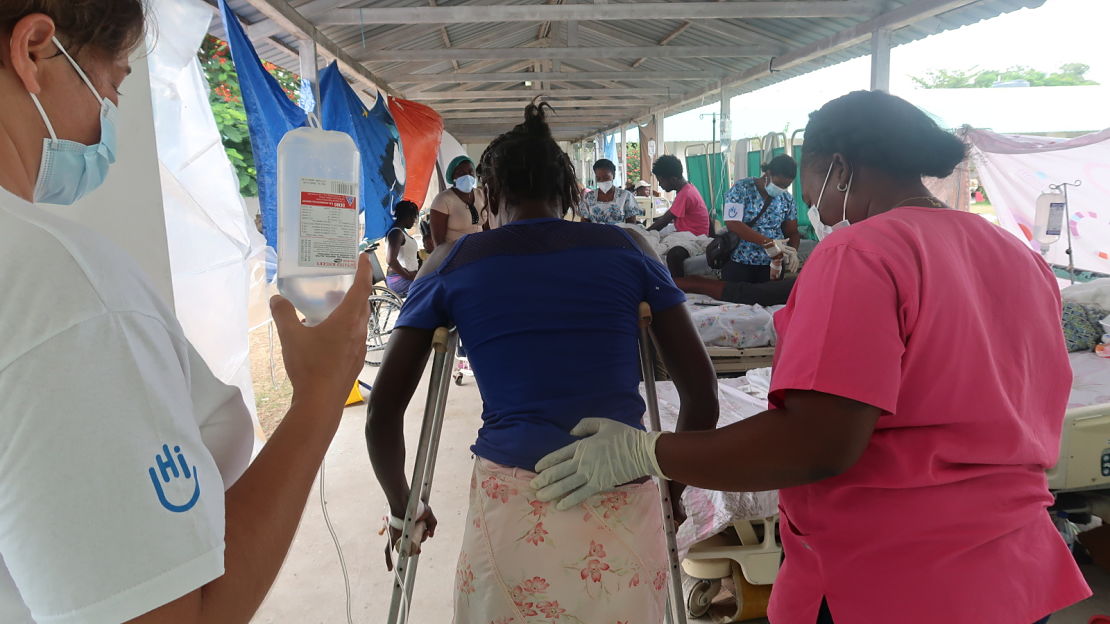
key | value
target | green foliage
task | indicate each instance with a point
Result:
(227, 107)
(632, 158)
(1069, 74)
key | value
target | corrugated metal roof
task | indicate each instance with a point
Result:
(517, 37)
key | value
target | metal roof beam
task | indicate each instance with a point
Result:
(295, 24)
(440, 54)
(623, 76)
(522, 95)
(564, 117)
(892, 20)
(587, 12)
(560, 105)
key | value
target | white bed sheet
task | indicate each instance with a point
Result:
(732, 325)
(711, 512)
(1091, 380)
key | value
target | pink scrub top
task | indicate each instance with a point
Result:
(690, 213)
(951, 327)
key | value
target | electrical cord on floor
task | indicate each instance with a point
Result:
(338, 547)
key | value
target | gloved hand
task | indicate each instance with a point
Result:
(791, 261)
(776, 269)
(773, 249)
(610, 454)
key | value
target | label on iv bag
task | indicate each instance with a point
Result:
(329, 224)
(1055, 218)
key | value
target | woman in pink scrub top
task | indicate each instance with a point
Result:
(918, 395)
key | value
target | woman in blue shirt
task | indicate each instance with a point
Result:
(761, 212)
(552, 339)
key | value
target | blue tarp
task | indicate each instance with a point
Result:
(382, 183)
(270, 114)
(609, 150)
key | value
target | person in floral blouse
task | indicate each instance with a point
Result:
(608, 204)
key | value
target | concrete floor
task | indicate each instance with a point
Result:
(310, 587)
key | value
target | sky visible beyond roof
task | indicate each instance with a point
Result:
(1058, 32)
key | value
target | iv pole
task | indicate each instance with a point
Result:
(1063, 186)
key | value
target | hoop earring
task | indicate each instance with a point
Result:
(842, 187)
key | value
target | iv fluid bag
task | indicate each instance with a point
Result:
(318, 214)
(1048, 222)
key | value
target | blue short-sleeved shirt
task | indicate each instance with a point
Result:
(548, 312)
(743, 203)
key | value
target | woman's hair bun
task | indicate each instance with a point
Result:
(885, 132)
(535, 119)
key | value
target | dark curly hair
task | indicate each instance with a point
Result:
(526, 163)
(882, 131)
(781, 165)
(605, 164)
(405, 208)
(110, 27)
(667, 166)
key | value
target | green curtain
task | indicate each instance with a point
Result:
(712, 187)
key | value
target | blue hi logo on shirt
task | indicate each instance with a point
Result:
(167, 466)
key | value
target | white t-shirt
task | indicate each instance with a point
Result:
(97, 385)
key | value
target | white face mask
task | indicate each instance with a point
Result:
(773, 190)
(819, 227)
(466, 183)
(605, 186)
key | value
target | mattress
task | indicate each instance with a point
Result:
(1091, 380)
(732, 325)
(710, 512)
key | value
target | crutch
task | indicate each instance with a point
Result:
(444, 343)
(676, 607)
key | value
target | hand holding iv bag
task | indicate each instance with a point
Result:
(318, 212)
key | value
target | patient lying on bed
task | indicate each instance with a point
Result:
(765, 294)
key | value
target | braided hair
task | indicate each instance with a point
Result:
(526, 164)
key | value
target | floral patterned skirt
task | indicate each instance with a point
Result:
(524, 562)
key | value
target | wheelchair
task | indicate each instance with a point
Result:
(385, 308)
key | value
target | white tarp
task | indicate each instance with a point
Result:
(212, 245)
(1015, 170)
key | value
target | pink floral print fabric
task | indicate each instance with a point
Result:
(524, 562)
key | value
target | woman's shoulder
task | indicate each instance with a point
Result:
(66, 273)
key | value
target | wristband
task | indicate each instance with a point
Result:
(394, 522)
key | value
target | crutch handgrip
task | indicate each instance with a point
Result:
(439, 339)
(645, 314)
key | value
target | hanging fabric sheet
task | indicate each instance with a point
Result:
(1015, 170)
(379, 142)
(270, 114)
(421, 129)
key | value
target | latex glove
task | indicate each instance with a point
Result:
(790, 257)
(774, 249)
(610, 454)
(776, 269)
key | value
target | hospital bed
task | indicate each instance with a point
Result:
(738, 337)
(1081, 478)
(729, 538)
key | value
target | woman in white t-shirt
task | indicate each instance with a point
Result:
(461, 209)
(126, 495)
(402, 254)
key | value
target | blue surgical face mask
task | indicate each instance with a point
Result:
(773, 190)
(70, 170)
(466, 183)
